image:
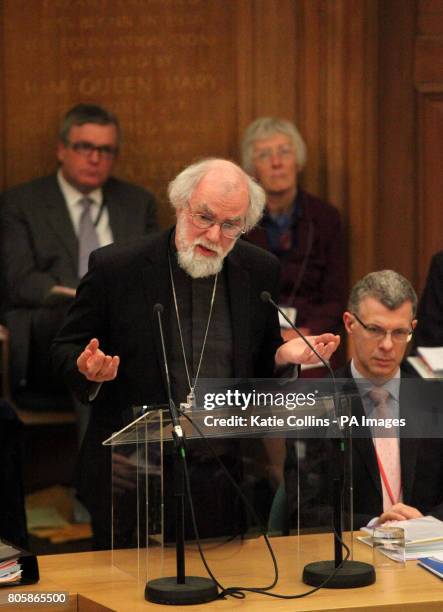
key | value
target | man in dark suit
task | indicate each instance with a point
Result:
(304, 232)
(50, 225)
(209, 284)
(429, 330)
(397, 477)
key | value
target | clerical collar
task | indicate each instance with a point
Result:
(190, 401)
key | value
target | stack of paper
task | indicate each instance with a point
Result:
(10, 569)
(433, 357)
(421, 367)
(17, 566)
(423, 536)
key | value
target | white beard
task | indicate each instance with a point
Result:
(198, 266)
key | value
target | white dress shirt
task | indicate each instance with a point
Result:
(73, 196)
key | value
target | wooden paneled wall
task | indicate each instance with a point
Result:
(166, 67)
(428, 81)
(396, 166)
(410, 114)
(336, 111)
(361, 79)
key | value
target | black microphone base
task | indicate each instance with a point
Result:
(351, 575)
(167, 591)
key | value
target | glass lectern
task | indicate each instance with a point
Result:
(283, 456)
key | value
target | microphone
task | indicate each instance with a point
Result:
(340, 575)
(177, 428)
(266, 297)
(179, 589)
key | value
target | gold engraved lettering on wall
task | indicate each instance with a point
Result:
(51, 87)
(114, 86)
(166, 67)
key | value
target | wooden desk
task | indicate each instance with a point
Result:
(95, 585)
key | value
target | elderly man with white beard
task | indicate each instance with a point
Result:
(209, 284)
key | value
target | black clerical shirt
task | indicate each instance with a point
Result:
(194, 302)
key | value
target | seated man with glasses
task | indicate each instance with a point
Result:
(304, 232)
(398, 336)
(394, 478)
(49, 227)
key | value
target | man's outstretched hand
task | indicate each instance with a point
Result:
(296, 351)
(95, 365)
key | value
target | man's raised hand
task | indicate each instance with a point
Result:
(296, 351)
(95, 365)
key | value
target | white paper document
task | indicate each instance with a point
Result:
(423, 537)
(433, 357)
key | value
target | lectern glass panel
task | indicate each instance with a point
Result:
(137, 493)
(283, 457)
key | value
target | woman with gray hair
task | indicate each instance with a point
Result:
(304, 232)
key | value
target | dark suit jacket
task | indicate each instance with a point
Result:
(429, 331)
(40, 249)
(115, 302)
(421, 467)
(320, 250)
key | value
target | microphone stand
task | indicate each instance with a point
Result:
(179, 589)
(349, 574)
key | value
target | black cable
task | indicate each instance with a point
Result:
(240, 592)
(219, 543)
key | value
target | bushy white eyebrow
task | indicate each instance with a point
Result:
(204, 208)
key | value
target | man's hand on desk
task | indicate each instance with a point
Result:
(399, 512)
(295, 351)
(95, 365)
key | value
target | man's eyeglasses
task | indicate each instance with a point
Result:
(86, 149)
(229, 229)
(266, 155)
(399, 336)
